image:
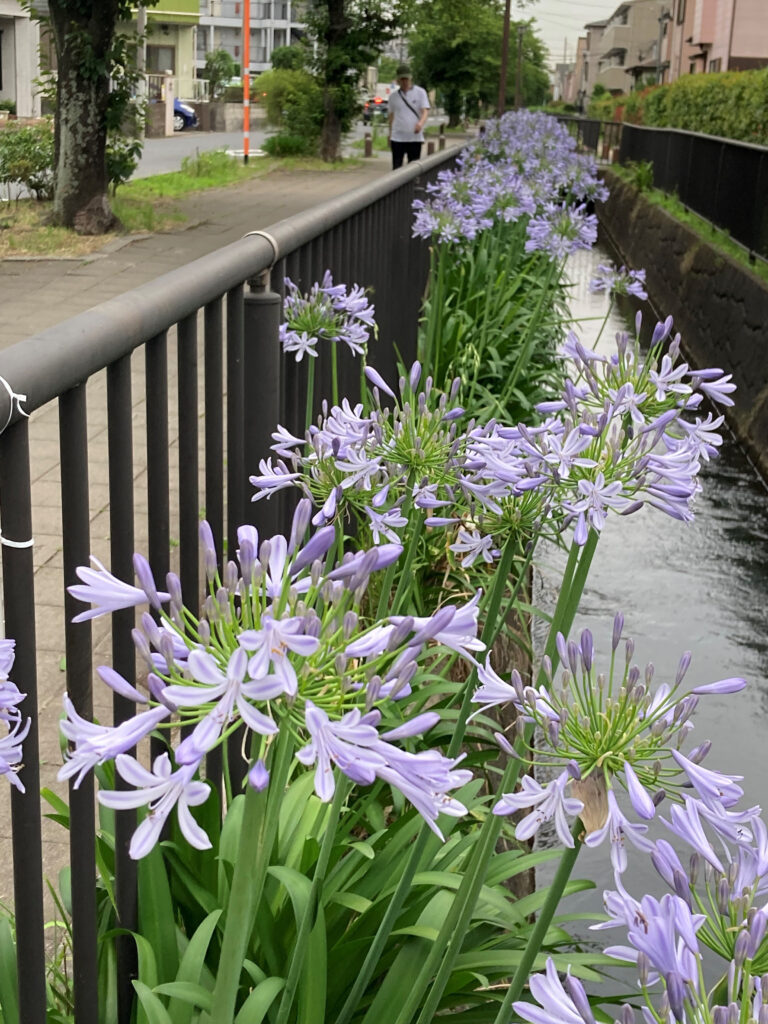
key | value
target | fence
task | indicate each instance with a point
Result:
(600, 137)
(246, 389)
(723, 180)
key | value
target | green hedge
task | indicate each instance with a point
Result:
(732, 104)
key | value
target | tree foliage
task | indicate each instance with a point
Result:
(350, 34)
(220, 67)
(456, 49)
(290, 58)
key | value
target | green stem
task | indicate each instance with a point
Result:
(391, 915)
(404, 583)
(533, 947)
(525, 354)
(335, 372)
(308, 416)
(488, 635)
(449, 941)
(308, 918)
(257, 837)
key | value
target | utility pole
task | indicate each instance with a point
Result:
(663, 18)
(246, 79)
(504, 60)
(519, 76)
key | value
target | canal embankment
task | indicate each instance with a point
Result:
(719, 307)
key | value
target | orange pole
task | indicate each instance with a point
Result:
(246, 78)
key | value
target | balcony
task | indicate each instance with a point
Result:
(614, 78)
(616, 37)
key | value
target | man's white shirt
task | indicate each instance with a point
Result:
(403, 119)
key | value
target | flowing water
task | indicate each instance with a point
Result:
(701, 586)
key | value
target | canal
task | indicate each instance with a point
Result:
(700, 586)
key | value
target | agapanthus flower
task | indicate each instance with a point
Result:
(601, 734)
(619, 282)
(556, 1003)
(328, 313)
(281, 648)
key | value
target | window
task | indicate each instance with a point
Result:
(680, 11)
(714, 65)
(692, 68)
(161, 59)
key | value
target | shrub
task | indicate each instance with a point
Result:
(288, 91)
(8, 105)
(220, 66)
(285, 144)
(26, 157)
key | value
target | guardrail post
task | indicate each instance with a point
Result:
(368, 139)
(261, 369)
(441, 138)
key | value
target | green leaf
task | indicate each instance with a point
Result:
(298, 887)
(9, 1000)
(256, 1006)
(314, 976)
(157, 915)
(192, 967)
(419, 930)
(152, 1006)
(350, 900)
(187, 992)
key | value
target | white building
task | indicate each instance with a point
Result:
(273, 23)
(19, 64)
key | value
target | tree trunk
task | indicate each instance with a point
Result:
(83, 39)
(330, 139)
(335, 76)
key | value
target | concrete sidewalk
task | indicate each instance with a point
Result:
(38, 293)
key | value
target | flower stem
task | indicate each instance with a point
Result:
(335, 372)
(404, 583)
(310, 912)
(534, 944)
(257, 837)
(310, 394)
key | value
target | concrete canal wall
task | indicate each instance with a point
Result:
(720, 308)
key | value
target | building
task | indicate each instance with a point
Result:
(19, 60)
(171, 40)
(629, 40)
(716, 35)
(585, 73)
(273, 23)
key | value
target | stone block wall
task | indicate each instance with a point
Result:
(719, 307)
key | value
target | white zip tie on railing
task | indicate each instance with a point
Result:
(18, 399)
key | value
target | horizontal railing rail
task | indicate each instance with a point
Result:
(188, 376)
(723, 180)
(602, 138)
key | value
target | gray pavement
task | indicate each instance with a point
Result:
(38, 293)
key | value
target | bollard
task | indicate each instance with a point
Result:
(430, 148)
(441, 140)
(261, 375)
(368, 150)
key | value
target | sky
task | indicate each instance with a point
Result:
(560, 22)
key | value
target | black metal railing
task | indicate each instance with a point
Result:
(602, 138)
(723, 180)
(202, 343)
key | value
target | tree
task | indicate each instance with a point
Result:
(90, 50)
(220, 66)
(350, 34)
(289, 58)
(456, 49)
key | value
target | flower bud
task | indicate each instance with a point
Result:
(719, 1015)
(723, 896)
(643, 968)
(618, 626)
(676, 994)
(627, 1014)
(258, 776)
(204, 632)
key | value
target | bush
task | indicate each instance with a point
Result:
(220, 66)
(26, 157)
(291, 94)
(291, 58)
(8, 105)
(284, 144)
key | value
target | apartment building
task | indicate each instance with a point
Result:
(273, 23)
(629, 42)
(19, 63)
(170, 43)
(588, 50)
(716, 35)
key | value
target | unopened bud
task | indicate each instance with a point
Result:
(204, 632)
(723, 896)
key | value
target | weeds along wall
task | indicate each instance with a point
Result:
(720, 307)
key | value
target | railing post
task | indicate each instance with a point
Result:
(261, 363)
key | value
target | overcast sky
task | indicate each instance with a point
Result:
(560, 22)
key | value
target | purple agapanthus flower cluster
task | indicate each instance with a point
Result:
(377, 462)
(510, 175)
(280, 646)
(14, 729)
(619, 282)
(329, 312)
(604, 734)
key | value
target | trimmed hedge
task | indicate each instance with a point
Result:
(732, 104)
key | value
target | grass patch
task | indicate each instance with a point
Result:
(701, 227)
(380, 143)
(143, 205)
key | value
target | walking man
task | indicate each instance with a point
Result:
(408, 112)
